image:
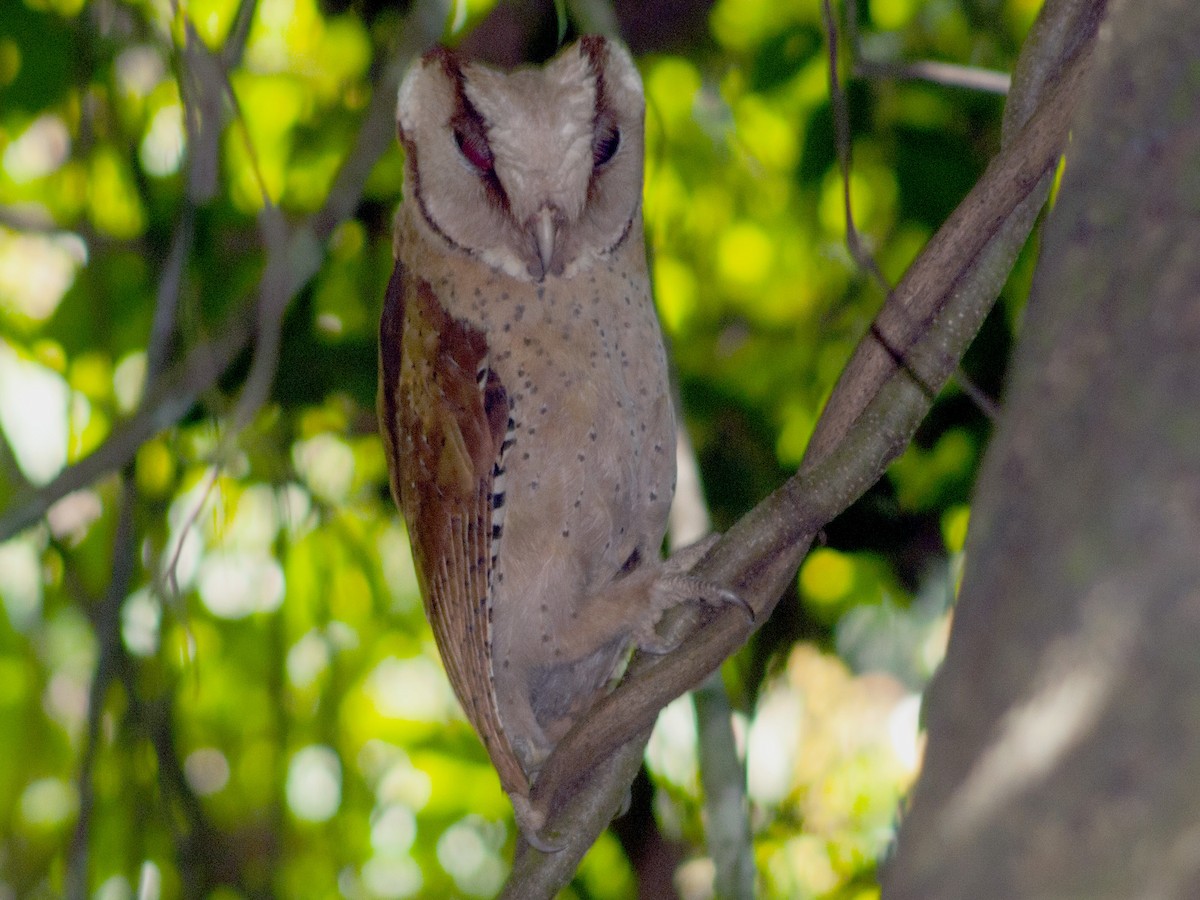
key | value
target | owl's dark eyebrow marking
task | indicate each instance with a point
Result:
(594, 46)
(466, 119)
(604, 116)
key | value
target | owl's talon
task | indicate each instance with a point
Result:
(537, 842)
(713, 594)
(733, 598)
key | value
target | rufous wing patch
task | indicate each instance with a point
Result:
(445, 414)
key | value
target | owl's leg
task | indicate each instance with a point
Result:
(644, 588)
(630, 606)
(593, 644)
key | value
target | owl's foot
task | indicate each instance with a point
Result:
(675, 586)
(530, 821)
(682, 561)
(688, 587)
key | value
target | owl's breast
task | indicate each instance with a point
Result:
(590, 465)
(593, 448)
(581, 359)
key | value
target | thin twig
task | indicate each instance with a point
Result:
(841, 127)
(858, 248)
(946, 74)
(235, 43)
(106, 619)
(977, 395)
(986, 81)
(106, 622)
(169, 401)
(170, 290)
(273, 297)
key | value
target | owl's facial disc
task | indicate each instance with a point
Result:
(536, 172)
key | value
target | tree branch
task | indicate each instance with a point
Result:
(932, 71)
(887, 388)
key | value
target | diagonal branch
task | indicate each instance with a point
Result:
(862, 429)
(887, 388)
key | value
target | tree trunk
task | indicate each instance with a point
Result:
(1064, 728)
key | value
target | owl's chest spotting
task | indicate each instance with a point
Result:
(589, 462)
(576, 356)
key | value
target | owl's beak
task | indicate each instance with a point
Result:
(544, 232)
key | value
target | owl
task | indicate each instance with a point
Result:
(524, 401)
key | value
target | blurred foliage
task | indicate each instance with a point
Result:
(278, 723)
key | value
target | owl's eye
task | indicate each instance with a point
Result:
(605, 143)
(473, 145)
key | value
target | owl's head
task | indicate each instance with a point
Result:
(535, 172)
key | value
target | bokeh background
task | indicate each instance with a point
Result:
(216, 678)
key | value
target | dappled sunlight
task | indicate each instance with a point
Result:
(139, 69)
(414, 689)
(314, 784)
(326, 464)
(161, 149)
(21, 586)
(207, 770)
(38, 151)
(48, 802)
(469, 851)
(35, 272)
(269, 683)
(1072, 687)
(671, 753)
(847, 776)
(826, 747)
(235, 584)
(34, 403)
(141, 623)
(774, 740)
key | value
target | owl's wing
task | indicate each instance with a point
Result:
(445, 416)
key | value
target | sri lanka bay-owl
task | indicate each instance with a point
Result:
(524, 401)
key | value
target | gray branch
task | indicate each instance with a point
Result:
(910, 351)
